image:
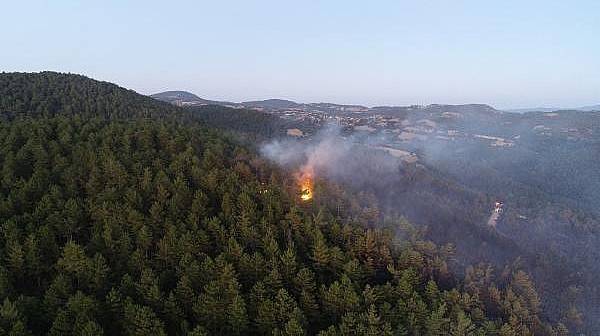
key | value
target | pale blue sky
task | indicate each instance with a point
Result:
(505, 53)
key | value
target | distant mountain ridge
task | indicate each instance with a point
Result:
(184, 98)
(172, 95)
(272, 103)
(588, 108)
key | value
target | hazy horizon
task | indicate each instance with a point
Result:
(375, 105)
(509, 55)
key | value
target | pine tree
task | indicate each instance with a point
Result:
(141, 320)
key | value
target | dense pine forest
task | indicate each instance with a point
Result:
(121, 215)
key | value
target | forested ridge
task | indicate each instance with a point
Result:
(123, 215)
(50, 93)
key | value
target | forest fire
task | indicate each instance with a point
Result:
(306, 190)
(305, 181)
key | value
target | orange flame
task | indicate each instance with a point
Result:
(306, 191)
(305, 182)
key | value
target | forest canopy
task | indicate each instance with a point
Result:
(123, 215)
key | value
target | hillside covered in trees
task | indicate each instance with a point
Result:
(121, 215)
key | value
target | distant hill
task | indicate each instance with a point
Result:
(554, 109)
(184, 98)
(271, 104)
(534, 109)
(170, 96)
(51, 93)
(590, 108)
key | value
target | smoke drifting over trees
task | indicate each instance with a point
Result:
(332, 155)
(450, 192)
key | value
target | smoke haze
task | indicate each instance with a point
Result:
(547, 182)
(330, 154)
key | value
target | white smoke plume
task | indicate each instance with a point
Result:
(331, 155)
